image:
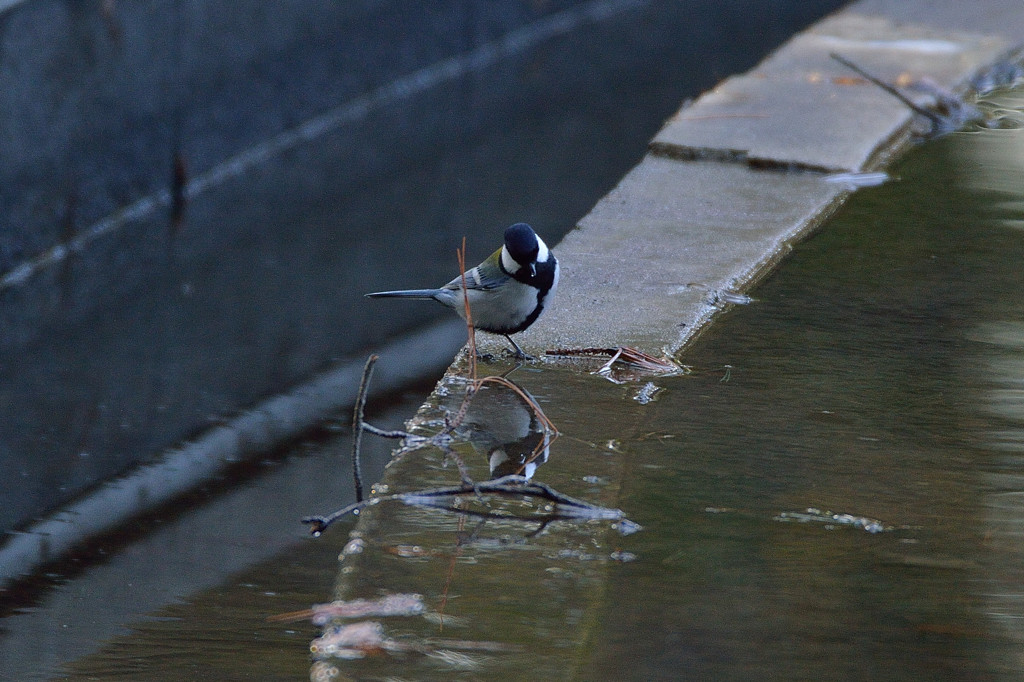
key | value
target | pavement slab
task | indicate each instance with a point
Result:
(659, 254)
(801, 109)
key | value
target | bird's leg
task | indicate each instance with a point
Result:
(519, 351)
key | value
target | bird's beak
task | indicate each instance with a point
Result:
(533, 269)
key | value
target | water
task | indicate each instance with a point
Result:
(833, 493)
(187, 589)
(861, 381)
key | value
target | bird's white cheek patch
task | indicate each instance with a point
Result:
(542, 251)
(508, 262)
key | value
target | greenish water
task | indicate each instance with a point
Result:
(862, 381)
(879, 373)
(875, 375)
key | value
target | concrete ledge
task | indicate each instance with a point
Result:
(646, 267)
(996, 18)
(735, 178)
(801, 109)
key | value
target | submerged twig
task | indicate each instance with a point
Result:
(404, 604)
(834, 519)
(513, 485)
(634, 359)
(366, 638)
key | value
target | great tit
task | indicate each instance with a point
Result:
(507, 292)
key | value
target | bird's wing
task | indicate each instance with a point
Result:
(487, 275)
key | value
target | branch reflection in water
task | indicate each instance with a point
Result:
(504, 428)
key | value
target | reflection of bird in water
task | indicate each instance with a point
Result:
(502, 425)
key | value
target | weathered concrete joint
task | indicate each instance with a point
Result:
(801, 109)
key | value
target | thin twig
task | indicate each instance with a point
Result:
(450, 576)
(452, 423)
(470, 330)
(357, 424)
(318, 524)
(606, 368)
(543, 521)
(625, 355)
(512, 485)
(930, 115)
(395, 434)
(455, 457)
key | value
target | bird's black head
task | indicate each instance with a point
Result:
(522, 244)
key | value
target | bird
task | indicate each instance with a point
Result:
(507, 292)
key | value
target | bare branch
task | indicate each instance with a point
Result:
(930, 115)
(470, 330)
(357, 424)
(510, 486)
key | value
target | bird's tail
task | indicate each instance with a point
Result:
(406, 293)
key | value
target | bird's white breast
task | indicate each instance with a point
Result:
(504, 307)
